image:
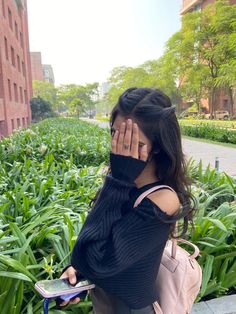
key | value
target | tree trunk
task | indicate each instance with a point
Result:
(213, 103)
(231, 99)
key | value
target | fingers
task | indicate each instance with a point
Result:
(120, 142)
(114, 142)
(75, 301)
(71, 274)
(143, 153)
(125, 141)
(72, 301)
(127, 138)
(64, 303)
(135, 142)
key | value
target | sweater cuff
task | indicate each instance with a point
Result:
(126, 168)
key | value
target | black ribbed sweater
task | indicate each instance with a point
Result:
(119, 247)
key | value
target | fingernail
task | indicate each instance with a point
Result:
(73, 280)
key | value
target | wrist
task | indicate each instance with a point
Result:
(126, 168)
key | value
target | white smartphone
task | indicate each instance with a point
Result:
(61, 287)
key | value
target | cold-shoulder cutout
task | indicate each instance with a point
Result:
(166, 200)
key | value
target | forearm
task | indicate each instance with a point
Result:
(125, 244)
(112, 196)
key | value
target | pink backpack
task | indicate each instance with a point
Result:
(180, 276)
(178, 281)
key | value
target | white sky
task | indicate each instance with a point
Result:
(85, 40)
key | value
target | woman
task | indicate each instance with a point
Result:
(120, 247)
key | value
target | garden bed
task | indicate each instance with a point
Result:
(48, 176)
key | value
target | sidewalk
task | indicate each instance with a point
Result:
(201, 150)
(207, 152)
(223, 305)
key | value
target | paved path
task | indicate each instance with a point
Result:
(223, 305)
(205, 151)
(208, 152)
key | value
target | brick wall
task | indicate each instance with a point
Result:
(15, 69)
(36, 66)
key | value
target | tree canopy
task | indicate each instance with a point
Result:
(197, 61)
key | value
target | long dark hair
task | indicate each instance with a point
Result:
(155, 115)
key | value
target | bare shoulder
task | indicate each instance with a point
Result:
(167, 200)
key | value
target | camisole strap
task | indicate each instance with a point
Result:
(147, 192)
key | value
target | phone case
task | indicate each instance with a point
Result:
(39, 286)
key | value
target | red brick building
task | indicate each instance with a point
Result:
(15, 69)
(195, 5)
(223, 100)
(36, 66)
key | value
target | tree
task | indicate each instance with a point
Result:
(227, 80)
(208, 39)
(78, 98)
(40, 108)
(46, 91)
(123, 77)
(197, 61)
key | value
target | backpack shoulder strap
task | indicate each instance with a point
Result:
(174, 241)
(145, 193)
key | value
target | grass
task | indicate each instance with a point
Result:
(231, 124)
(209, 141)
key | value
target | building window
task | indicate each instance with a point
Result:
(18, 63)
(197, 7)
(6, 48)
(9, 89)
(15, 92)
(21, 39)
(3, 8)
(10, 18)
(21, 95)
(13, 57)
(18, 122)
(16, 30)
(23, 121)
(27, 121)
(25, 94)
(12, 124)
(23, 68)
(226, 104)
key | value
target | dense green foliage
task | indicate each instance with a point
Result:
(212, 131)
(77, 99)
(40, 109)
(46, 91)
(215, 229)
(48, 176)
(72, 98)
(197, 61)
(216, 123)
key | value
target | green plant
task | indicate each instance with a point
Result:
(46, 185)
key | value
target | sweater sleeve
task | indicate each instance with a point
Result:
(113, 237)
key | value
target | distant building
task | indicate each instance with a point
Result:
(36, 66)
(48, 74)
(15, 69)
(223, 100)
(197, 5)
(41, 72)
(103, 89)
